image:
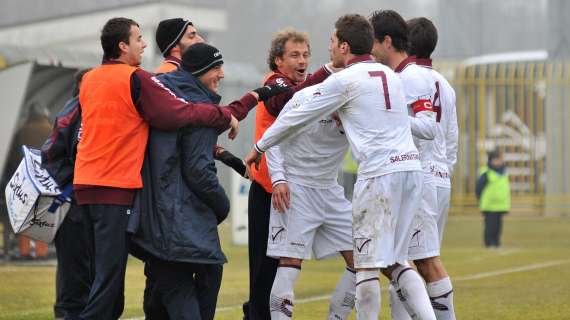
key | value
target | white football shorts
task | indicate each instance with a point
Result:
(318, 221)
(383, 211)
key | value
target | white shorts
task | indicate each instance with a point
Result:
(443, 200)
(384, 208)
(427, 231)
(318, 221)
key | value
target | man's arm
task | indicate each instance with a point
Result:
(452, 137)
(423, 126)
(481, 184)
(162, 109)
(58, 151)
(329, 97)
(230, 160)
(199, 169)
(275, 104)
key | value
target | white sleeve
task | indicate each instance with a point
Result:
(424, 125)
(452, 137)
(275, 165)
(329, 96)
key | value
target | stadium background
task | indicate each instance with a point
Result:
(509, 62)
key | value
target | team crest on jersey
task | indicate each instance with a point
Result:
(277, 234)
(362, 245)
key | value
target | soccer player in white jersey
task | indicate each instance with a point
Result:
(369, 99)
(316, 218)
(422, 41)
(390, 45)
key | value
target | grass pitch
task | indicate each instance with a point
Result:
(528, 278)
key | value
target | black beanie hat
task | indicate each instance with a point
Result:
(169, 32)
(201, 57)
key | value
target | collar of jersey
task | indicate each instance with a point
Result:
(360, 58)
(406, 62)
(424, 62)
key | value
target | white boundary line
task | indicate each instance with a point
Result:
(475, 276)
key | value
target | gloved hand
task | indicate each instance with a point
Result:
(269, 91)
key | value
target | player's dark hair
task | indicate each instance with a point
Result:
(390, 23)
(115, 31)
(355, 30)
(422, 37)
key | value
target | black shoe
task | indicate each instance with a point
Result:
(245, 308)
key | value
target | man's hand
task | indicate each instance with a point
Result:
(269, 91)
(253, 157)
(280, 197)
(234, 124)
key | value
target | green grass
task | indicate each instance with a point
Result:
(539, 247)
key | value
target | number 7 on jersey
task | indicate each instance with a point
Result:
(384, 81)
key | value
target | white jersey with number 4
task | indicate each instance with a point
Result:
(421, 93)
(445, 108)
(370, 101)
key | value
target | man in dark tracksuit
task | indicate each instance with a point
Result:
(182, 202)
(74, 272)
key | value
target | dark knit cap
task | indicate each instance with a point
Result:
(201, 57)
(169, 32)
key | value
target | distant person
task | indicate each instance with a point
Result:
(494, 194)
(33, 133)
(72, 243)
(173, 37)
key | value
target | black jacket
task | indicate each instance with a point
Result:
(181, 202)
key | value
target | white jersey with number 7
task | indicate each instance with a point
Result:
(370, 101)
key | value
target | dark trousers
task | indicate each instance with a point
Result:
(74, 271)
(107, 226)
(181, 290)
(493, 228)
(262, 269)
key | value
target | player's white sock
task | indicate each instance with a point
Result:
(397, 308)
(441, 295)
(367, 295)
(342, 300)
(412, 293)
(281, 300)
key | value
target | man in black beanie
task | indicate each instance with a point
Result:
(173, 36)
(180, 243)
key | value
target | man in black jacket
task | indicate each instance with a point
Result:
(74, 273)
(182, 202)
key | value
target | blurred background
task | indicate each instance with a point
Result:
(509, 62)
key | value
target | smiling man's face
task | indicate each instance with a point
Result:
(294, 61)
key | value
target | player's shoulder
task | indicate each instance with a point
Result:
(278, 78)
(305, 93)
(444, 84)
(416, 78)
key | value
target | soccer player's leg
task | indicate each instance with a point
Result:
(334, 236)
(439, 286)
(405, 190)
(424, 251)
(370, 215)
(291, 236)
